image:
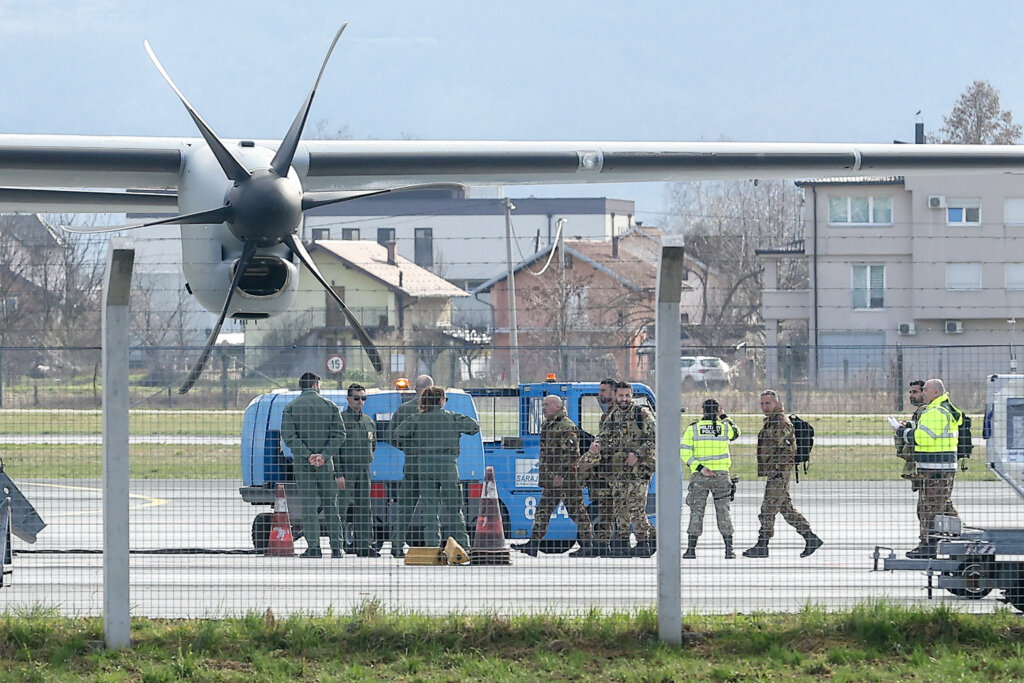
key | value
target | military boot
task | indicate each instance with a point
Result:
(691, 548)
(924, 550)
(644, 548)
(729, 554)
(812, 543)
(530, 547)
(618, 548)
(591, 549)
(760, 549)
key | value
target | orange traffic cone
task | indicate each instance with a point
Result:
(281, 542)
(489, 546)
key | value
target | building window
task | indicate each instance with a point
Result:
(321, 234)
(963, 211)
(350, 233)
(1014, 275)
(963, 276)
(423, 247)
(684, 318)
(868, 286)
(860, 210)
(385, 235)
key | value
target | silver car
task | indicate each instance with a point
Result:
(704, 372)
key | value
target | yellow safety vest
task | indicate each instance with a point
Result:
(706, 442)
(935, 437)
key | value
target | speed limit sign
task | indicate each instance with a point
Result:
(335, 363)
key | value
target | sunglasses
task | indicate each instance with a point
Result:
(357, 398)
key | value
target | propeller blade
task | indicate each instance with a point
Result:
(248, 251)
(312, 200)
(198, 218)
(296, 246)
(231, 166)
(286, 152)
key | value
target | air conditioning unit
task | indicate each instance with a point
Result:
(936, 201)
(954, 326)
(906, 329)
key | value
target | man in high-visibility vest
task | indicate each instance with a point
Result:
(705, 450)
(934, 438)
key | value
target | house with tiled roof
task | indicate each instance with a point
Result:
(405, 308)
(584, 309)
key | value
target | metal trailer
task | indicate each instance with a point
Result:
(971, 562)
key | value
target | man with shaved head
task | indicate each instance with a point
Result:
(559, 456)
(934, 438)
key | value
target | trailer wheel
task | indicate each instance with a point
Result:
(261, 531)
(972, 571)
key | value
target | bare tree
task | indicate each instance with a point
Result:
(976, 119)
(724, 223)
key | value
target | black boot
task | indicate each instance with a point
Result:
(760, 549)
(644, 548)
(924, 550)
(530, 547)
(591, 549)
(729, 554)
(691, 548)
(618, 548)
(812, 543)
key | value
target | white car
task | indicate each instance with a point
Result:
(704, 372)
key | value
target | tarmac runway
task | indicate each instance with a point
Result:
(171, 520)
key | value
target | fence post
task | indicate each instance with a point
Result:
(116, 287)
(669, 467)
(899, 378)
(789, 377)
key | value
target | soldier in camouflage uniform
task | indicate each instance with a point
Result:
(627, 440)
(906, 451)
(776, 448)
(594, 473)
(312, 428)
(559, 456)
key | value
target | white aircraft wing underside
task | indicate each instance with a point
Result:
(111, 174)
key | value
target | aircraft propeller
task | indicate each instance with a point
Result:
(263, 208)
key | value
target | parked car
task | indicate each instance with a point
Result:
(704, 372)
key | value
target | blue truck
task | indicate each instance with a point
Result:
(516, 457)
(509, 441)
(267, 461)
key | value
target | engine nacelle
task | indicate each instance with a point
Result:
(209, 252)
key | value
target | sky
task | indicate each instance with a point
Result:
(525, 70)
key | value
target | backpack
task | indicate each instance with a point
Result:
(804, 432)
(964, 442)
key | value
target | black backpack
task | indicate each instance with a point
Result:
(964, 442)
(804, 432)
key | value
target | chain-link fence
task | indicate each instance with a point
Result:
(208, 536)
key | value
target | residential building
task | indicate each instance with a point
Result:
(405, 309)
(463, 239)
(584, 309)
(920, 262)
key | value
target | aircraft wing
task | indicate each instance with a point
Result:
(116, 174)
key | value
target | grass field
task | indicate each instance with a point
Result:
(876, 642)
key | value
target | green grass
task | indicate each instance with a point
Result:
(147, 461)
(877, 642)
(141, 422)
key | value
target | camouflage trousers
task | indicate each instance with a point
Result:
(628, 510)
(570, 493)
(910, 472)
(778, 501)
(933, 495)
(719, 487)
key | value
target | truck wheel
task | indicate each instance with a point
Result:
(261, 530)
(973, 570)
(555, 547)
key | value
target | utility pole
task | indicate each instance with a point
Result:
(563, 301)
(513, 329)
